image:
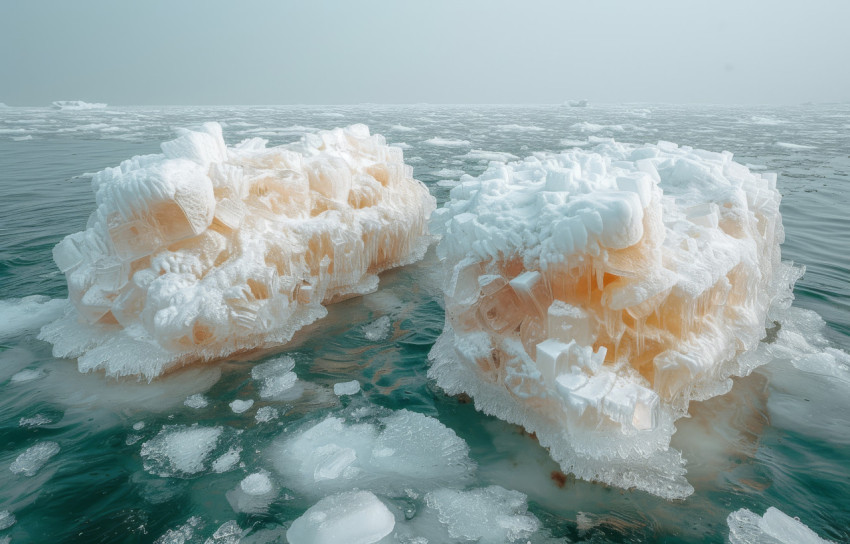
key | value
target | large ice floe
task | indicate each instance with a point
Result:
(205, 250)
(591, 295)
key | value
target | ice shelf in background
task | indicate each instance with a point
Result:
(205, 250)
(775, 527)
(591, 295)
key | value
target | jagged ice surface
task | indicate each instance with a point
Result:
(205, 250)
(591, 295)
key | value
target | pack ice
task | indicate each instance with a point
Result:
(205, 250)
(591, 295)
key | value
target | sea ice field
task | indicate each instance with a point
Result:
(372, 417)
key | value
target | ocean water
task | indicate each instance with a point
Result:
(780, 438)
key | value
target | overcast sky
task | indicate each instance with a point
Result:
(455, 51)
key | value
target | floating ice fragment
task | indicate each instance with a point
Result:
(228, 533)
(196, 401)
(591, 295)
(179, 451)
(7, 519)
(775, 527)
(266, 414)
(28, 375)
(227, 460)
(31, 461)
(276, 377)
(74, 105)
(447, 142)
(257, 483)
(347, 388)
(356, 517)
(397, 451)
(30, 313)
(138, 426)
(204, 249)
(35, 421)
(239, 406)
(490, 514)
(378, 330)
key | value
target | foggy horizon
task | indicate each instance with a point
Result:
(296, 53)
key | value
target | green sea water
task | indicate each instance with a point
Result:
(780, 438)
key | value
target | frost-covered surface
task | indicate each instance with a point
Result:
(775, 527)
(590, 296)
(205, 250)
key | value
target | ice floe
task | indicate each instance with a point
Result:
(355, 517)
(205, 249)
(775, 527)
(347, 388)
(77, 105)
(378, 329)
(30, 462)
(591, 295)
(180, 451)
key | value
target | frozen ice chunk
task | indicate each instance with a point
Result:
(35, 421)
(238, 406)
(257, 483)
(276, 377)
(180, 451)
(775, 526)
(27, 314)
(490, 514)
(392, 453)
(72, 105)
(35, 457)
(347, 388)
(378, 329)
(7, 519)
(356, 517)
(591, 295)
(196, 401)
(266, 414)
(28, 375)
(205, 250)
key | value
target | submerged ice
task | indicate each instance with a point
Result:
(205, 250)
(590, 296)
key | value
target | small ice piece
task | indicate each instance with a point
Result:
(746, 527)
(346, 388)
(331, 461)
(31, 461)
(257, 483)
(228, 533)
(378, 329)
(266, 414)
(356, 517)
(35, 421)
(592, 393)
(490, 514)
(28, 375)
(238, 406)
(7, 519)
(204, 249)
(138, 426)
(276, 376)
(227, 460)
(196, 401)
(179, 451)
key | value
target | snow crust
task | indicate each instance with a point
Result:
(775, 527)
(205, 250)
(591, 295)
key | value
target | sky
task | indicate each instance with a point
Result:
(214, 52)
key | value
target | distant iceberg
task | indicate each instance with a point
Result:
(68, 105)
(591, 295)
(205, 250)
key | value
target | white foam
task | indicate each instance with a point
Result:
(239, 406)
(378, 330)
(357, 517)
(180, 451)
(347, 388)
(30, 462)
(204, 249)
(28, 314)
(775, 526)
(35, 421)
(591, 295)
